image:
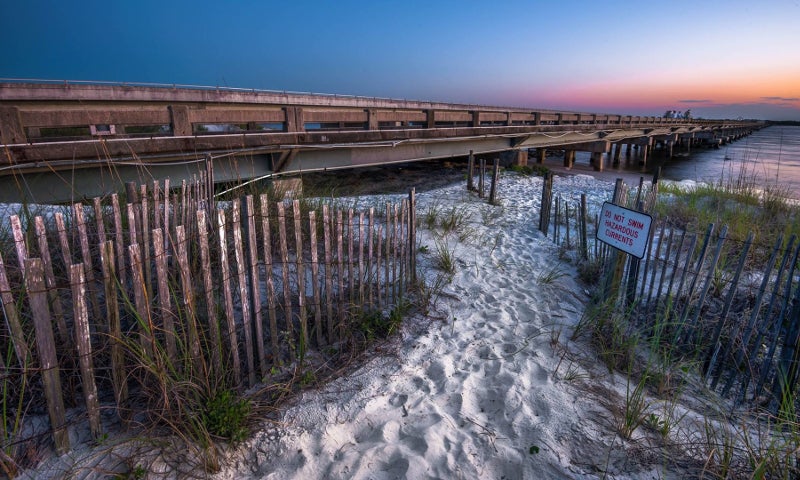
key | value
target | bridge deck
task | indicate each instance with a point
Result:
(122, 132)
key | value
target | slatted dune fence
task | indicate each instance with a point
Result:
(732, 305)
(92, 293)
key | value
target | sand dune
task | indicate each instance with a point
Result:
(470, 391)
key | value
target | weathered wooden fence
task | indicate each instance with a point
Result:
(732, 305)
(89, 291)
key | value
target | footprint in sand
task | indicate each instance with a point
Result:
(421, 384)
(491, 368)
(398, 400)
(540, 373)
(541, 407)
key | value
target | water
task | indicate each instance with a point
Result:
(768, 157)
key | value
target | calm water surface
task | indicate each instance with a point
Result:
(770, 156)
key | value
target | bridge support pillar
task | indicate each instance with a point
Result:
(294, 119)
(617, 153)
(521, 158)
(372, 119)
(476, 119)
(541, 154)
(670, 146)
(569, 158)
(645, 151)
(179, 118)
(597, 161)
(11, 126)
(627, 149)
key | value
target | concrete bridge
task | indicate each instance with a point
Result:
(64, 141)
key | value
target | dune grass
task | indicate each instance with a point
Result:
(767, 211)
(722, 441)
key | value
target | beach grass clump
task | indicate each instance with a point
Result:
(454, 219)
(550, 275)
(768, 211)
(590, 270)
(444, 256)
(530, 170)
(609, 331)
(636, 405)
(375, 324)
(225, 415)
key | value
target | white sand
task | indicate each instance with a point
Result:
(472, 392)
(481, 387)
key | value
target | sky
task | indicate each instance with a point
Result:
(721, 59)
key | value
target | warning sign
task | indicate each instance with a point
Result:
(625, 229)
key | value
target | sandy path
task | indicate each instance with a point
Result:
(470, 396)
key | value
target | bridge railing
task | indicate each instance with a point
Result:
(84, 110)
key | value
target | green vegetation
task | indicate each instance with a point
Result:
(664, 354)
(179, 381)
(740, 204)
(225, 415)
(538, 170)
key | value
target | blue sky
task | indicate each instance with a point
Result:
(719, 58)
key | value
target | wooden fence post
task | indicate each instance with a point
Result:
(244, 293)
(326, 231)
(141, 303)
(371, 258)
(700, 260)
(389, 229)
(84, 346)
(162, 285)
(774, 336)
(193, 334)
(471, 172)
(267, 239)
(255, 283)
(787, 369)
(339, 328)
(395, 227)
(46, 347)
(350, 277)
(361, 227)
(15, 327)
(50, 281)
(762, 330)
(495, 177)
(145, 213)
(412, 236)
(301, 277)
(119, 240)
(228, 297)
(312, 224)
(118, 373)
(583, 227)
(547, 198)
(378, 266)
(19, 243)
(711, 357)
(80, 222)
(287, 292)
